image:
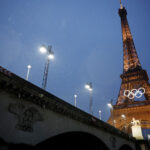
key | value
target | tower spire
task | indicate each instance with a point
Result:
(131, 60)
(121, 7)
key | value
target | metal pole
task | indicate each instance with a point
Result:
(112, 112)
(28, 71)
(91, 103)
(75, 100)
(45, 74)
(44, 82)
(100, 114)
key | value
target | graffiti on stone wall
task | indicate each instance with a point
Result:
(26, 115)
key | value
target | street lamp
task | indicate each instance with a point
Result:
(28, 71)
(43, 49)
(75, 100)
(88, 86)
(110, 105)
(50, 56)
(112, 112)
(100, 114)
(124, 118)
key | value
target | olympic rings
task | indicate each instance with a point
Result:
(134, 93)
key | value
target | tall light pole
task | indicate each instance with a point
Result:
(75, 100)
(100, 117)
(124, 118)
(88, 86)
(112, 112)
(50, 55)
(28, 71)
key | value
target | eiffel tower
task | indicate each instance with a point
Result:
(134, 95)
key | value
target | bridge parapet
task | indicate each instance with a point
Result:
(25, 91)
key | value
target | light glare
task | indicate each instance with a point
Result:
(123, 116)
(50, 56)
(29, 66)
(87, 86)
(109, 105)
(90, 89)
(43, 49)
(75, 96)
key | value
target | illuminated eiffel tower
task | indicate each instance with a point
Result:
(134, 95)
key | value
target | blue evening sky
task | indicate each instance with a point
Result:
(86, 38)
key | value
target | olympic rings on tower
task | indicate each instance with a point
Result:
(134, 93)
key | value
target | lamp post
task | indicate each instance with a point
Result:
(75, 100)
(88, 86)
(28, 71)
(100, 114)
(112, 112)
(50, 56)
(124, 118)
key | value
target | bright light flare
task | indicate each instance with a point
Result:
(29, 66)
(87, 86)
(90, 89)
(109, 105)
(75, 95)
(123, 116)
(43, 49)
(51, 56)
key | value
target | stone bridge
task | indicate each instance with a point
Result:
(33, 118)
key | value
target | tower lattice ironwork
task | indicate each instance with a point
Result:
(134, 95)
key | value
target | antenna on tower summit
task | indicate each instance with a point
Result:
(121, 7)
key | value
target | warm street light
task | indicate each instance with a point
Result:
(75, 100)
(50, 55)
(88, 86)
(100, 114)
(28, 71)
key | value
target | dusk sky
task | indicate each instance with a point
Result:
(86, 39)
